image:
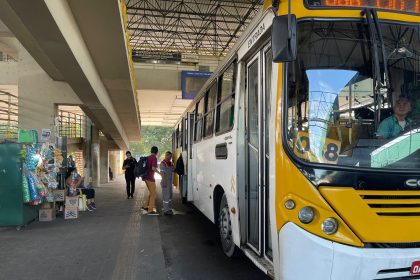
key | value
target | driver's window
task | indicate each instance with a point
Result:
(333, 107)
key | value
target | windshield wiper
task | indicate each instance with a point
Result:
(381, 83)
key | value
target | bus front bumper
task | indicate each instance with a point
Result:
(307, 256)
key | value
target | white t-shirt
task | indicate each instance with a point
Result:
(402, 123)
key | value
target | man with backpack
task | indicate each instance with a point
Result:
(149, 179)
(129, 165)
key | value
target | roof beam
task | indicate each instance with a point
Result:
(202, 27)
(164, 12)
(135, 34)
(225, 3)
(239, 26)
(175, 17)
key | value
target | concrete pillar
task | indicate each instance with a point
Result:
(95, 157)
(87, 151)
(87, 160)
(115, 162)
(103, 160)
(122, 158)
(39, 94)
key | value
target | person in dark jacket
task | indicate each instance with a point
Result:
(129, 165)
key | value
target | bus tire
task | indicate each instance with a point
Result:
(225, 229)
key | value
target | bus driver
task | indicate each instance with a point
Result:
(395, 125)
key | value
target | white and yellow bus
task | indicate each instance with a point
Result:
(285, 150)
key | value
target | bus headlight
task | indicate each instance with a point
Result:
(306, 214)
(330, 226)
(290, 204)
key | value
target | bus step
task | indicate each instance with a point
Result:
(262, 263)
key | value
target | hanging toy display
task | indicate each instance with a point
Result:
(25, 189)
(23, 153)
(32, 158)
(72, 191)
(49, 197)
(58, 159)
(40, 168)
(32, 184)
(40, 188)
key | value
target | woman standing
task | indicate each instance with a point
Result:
(167, 169)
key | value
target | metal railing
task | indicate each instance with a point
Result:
(8, 116)
(71, 124)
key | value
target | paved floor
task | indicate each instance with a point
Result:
(118, 242)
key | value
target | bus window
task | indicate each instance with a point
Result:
(334, 108)
(198, 129)
(226, 100)
(182, 134)
(185, 132)
(177, 137)
(173, 141)
(209, 117)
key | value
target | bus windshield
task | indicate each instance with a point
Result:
(338, 113)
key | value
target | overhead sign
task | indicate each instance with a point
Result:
(192, 82)
(189, 58)
(394, 5)
(155, 55)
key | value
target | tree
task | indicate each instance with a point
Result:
(158, 136)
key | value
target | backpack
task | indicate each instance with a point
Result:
(179, 166)
(141, 170)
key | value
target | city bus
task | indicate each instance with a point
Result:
(303, 146)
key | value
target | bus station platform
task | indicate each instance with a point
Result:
(119, 241)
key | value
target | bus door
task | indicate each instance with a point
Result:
(190, 156)
(184, 178)
(258, 71)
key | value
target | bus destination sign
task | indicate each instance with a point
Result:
(410, 6)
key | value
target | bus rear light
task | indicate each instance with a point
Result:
(306, 214)
(330, 226)
(290, 204)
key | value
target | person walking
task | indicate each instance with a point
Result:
(129, 165)
(167, 169)
(149, 179)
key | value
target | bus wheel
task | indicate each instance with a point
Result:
(225, 229)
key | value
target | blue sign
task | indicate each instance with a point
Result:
(192, 82)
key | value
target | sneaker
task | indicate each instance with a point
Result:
(145, 208)
(169, 213)
(93, 206)
(89, 208)
(152, 213)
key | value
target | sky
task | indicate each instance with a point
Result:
(324, 87)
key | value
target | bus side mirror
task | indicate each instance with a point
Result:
(283, 38)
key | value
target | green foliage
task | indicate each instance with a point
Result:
(158, 136)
